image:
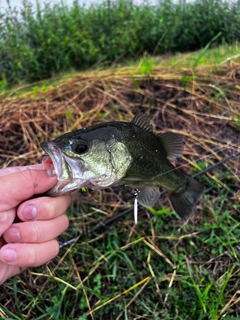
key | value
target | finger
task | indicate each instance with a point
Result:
(29, 255)
(6, 219)
(9, 170)
(8, 271)
(36, 231)
(22, 185)
(43, 208)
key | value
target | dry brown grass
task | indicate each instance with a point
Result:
(206, 110)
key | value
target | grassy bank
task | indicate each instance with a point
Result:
(162, 268)
(39, 43)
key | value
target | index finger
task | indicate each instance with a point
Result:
(19, 186)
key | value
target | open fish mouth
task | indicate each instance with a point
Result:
(69, 172)
(55, 163)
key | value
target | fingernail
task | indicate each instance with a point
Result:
(14, 234)
(29, 212)
(9, 255)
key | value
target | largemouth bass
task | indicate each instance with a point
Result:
(123, 153)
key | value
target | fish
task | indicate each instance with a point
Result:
(119, 153)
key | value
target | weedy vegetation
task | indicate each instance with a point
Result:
(162, 268)
(37, 43)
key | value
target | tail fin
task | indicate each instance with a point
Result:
(184, 203)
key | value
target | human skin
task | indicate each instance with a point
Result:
(30, 242)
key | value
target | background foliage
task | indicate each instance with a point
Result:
(38, 43)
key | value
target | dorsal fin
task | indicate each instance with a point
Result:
(142, 122)
(172, 143)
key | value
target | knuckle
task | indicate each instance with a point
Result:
(49, 208)
(28, 174)
(65, 221)
(31, 178)
(32, 256)
(33, 233)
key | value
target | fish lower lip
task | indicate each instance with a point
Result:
(53, 160)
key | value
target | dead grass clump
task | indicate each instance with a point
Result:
(204, 108)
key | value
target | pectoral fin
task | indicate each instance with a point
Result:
(147, 196)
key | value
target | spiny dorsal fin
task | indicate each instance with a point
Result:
(172, 143)
(142, 122)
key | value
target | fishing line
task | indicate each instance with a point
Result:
(199, 159)
(123, 213)
(234, 155)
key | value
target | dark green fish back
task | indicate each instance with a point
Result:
(150, 154)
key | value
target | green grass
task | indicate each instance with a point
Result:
(216, 56)
(159, 269)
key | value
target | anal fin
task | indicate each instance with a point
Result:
(148, 195)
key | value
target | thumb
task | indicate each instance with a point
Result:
(21, 185)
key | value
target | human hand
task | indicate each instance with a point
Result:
(31, 242)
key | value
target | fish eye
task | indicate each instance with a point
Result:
(80, 147)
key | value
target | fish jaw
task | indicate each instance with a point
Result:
(69, 173)
(53, 159)
(54, 162)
